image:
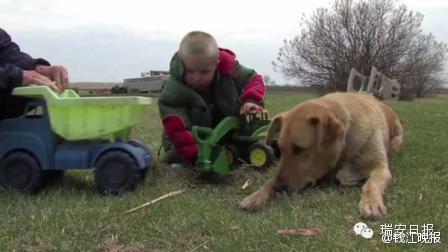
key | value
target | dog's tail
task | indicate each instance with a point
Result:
(395, 128)
(396, 136)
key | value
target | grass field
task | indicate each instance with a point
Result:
(71, 216)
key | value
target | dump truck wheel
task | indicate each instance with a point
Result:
(21, 171)
(261, 155)
(116, 172)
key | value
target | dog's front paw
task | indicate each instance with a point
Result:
(372, 208)
(255, 201)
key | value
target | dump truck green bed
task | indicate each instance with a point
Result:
(76, 118)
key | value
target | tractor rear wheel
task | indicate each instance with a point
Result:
(260, 155)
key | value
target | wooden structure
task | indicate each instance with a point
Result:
(377, 84)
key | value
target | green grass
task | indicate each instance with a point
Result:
(71, 216)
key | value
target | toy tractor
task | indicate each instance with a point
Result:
(57, 132)
(234, 138)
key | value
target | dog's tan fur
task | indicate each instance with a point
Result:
(345, 134)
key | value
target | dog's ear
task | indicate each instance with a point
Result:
(329, 128)
(274, 128)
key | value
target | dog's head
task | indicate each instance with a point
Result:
(311, 140)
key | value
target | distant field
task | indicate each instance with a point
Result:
(71, 216)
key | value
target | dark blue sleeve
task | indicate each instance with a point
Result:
(10, 53)
(11, 76)
(13, 62)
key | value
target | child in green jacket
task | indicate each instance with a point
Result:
(206, 84)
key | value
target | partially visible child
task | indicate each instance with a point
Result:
(206, 84)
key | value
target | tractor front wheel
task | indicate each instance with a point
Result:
(232, 154)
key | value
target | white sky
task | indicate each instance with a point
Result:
(170, 17)
(111, 40)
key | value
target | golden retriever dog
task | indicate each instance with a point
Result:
(346, 136)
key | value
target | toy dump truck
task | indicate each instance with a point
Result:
(57, 132)
(234, 138)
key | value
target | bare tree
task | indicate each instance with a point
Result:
(363, 34)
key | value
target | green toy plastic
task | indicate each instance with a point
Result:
(232, 139)
(76, 118)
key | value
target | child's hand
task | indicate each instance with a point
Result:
(249, 107)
